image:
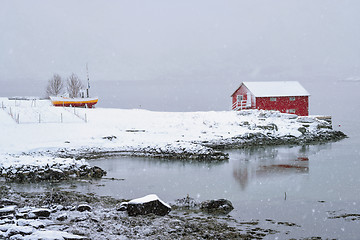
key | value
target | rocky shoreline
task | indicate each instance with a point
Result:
(54, 172)
(209, 151)
(60, 214)
(260, 139)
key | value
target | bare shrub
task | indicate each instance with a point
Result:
(55, 86)
(74, 86)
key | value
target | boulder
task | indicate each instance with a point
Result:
(218, 206)
(83, 208)
(39, 213)
(4, 211)
(62, 217)
(146, 205)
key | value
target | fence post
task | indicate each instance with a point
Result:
(39, 118)
(85, 118)
(61, 118)
(18, 118)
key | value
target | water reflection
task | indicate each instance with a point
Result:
(270, 162)
(260, 172)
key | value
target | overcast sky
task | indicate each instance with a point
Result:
(204, 41)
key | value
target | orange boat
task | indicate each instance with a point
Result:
(74, 102)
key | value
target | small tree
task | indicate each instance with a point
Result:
(74, 86)
(55, 86)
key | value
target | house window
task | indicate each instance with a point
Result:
(239, 98)
(291, 111)
(292, 98)
(273, 99)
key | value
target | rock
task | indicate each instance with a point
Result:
(122, 207)
(219, 206)
(32, 223)
(7, 210)
(91, 172)
(302, 130)
(18, 230)
(48, 234)
(38, 213)
(324, 125)
(54, 174)
(186, 202)
(110, 138)
(148, 204)
(271, 126)
(7, 202)
(305, 119)
(83, 208)
(62, 217)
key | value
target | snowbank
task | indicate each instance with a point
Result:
(36, 133)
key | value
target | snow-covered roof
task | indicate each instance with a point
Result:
(276, 89)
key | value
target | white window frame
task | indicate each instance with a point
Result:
(273, 99)
(239, 98)
(293, 111)
(292, 98)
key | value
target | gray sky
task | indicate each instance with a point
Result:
(165, 41)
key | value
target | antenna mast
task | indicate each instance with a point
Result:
(88, 79)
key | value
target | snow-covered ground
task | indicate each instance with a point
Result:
(35, 133)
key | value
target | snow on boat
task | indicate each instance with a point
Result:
(73, 102)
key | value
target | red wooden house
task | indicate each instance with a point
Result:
(286, 97)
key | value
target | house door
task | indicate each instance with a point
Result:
(248, 100)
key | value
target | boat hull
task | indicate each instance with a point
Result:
(74, 102)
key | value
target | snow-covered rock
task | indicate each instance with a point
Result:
(39, 213)
(53, 235)
(83, 208)
(148, 204)
(7, 210)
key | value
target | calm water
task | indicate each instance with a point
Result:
(317, 179)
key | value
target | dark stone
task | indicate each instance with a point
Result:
(62, 217)
(110, 138)
(83, 208)
(38, 213)
(146, 205)
(219, 206)
(91, 172)
(53, 174)
(302, 130)
(186, 202)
